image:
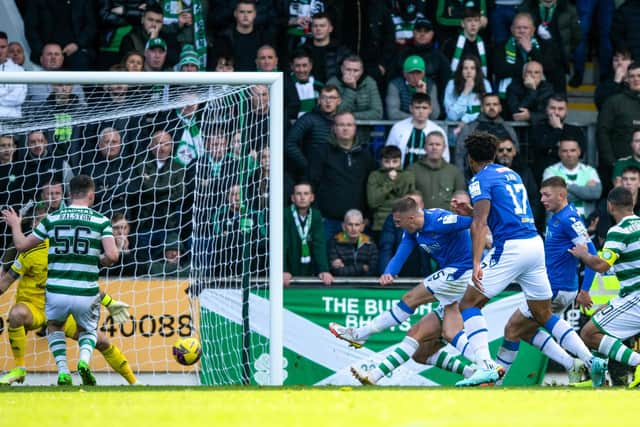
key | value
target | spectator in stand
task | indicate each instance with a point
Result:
(116, 19)
(151, 28)
(351, 252)
(450, 17)
(409, 134)
(435, 178)
(70, 23)
(618, 78)
(236, 229)
(305, 245)
(224, 64)
(11, 95)
(624, 28)
(108, 168)
(340, 171)
(501, 17)
(365, 28)
(507, 154)
(545, 135)
(173, 263)
(156, 186)
(600, 221)
(632, 160)
(468, 41)
(358, 91)
(245, 38)
(606, 33)
(266, 59)
(299, 13)
(222, 13)
(583, 183)
(52, 194)
(413, 80)
(258, 183)
(326, 53)
(617, 120)
(523, 46)
(527, 97)
(189, 60)
(133, 61)
(301, 87)
(40, 165)
(10, 172)
(186, 20)
(418, 263)
(557, 23)
(489, 121)
(386, 185)
(404, 15)
(311, 132)
(129, 264)
(16, 53)
(51, 59)
(463, 94)
(423, 44)
(63, 106)
(155, 55)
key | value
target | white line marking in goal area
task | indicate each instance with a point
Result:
(319, 345)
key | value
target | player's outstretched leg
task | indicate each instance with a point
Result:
(400, 312)
(115, 358)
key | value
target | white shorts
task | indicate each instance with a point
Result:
(621, 317)
(521, 261)
(445, 288)
(559, 304)
(86, 310)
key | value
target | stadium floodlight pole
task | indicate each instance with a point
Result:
(276, 135)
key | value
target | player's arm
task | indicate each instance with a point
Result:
(479, 231)
(451, 223)
(110, 251)
(406, 246)
(20, 241)
(597, 263)
(7, 279)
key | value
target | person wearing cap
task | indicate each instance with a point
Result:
(189, 60)
(423, 44)
(155, 54)
(404, 14)
(400, 90)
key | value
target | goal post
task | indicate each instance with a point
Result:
(215, 83)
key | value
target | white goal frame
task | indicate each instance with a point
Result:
(275, 82)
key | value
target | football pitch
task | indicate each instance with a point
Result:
(320, 406)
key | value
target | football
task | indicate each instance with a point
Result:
(187, 351)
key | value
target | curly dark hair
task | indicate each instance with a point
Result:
(481, 146)
(478, 82)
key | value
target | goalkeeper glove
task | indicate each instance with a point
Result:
(117, 309)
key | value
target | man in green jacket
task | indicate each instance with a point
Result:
(305, 247)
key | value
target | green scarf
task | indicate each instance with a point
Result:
(457, 54)
(511, 49)
(546, 14)
(190, 145)
(172, 9)
(303, 233)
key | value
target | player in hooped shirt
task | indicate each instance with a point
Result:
(500, 202)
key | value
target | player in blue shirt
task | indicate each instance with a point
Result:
(446, 237)
(500, 203)
(565, 229)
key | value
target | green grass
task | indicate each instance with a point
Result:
(343, 406)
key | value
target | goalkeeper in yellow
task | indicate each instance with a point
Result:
(28, 314)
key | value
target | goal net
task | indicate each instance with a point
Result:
(186, 167)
